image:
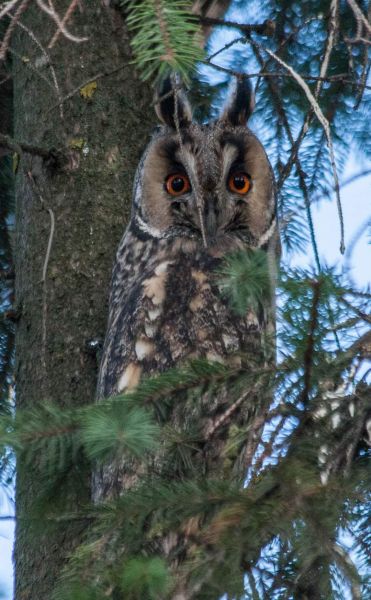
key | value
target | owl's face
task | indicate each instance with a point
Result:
(206, 182)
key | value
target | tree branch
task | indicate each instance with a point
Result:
(21, 147)
(267, 28)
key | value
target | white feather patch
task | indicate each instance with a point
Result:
(143, 226)
(267, 234)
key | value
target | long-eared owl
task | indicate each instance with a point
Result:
(201, 191)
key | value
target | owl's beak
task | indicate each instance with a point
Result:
(210, 217)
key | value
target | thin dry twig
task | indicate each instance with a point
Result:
(65, 19)
(267, 28)
(86, 82)
(301, 175)
(224, 418)
(8, 7)
(51, 12)
(341, 77)
(15, 146)
(45, 267)
(363, 79)
(326, 127)
(30, 66)
(362, 21)
(8, 34)
(47, 57)
(329, 44)
(225, 47)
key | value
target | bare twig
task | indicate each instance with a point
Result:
(360, 18)
(224, 418)
(45, 267)
(326, 126)
(8, 7)
(49, 247)
(301, 175)
(28, 65)
(329, 44)
(341, 77)
(47, 57)
(8, 34)
(225, 47)
(20, 147)
(266, 28)
(65, 19)
(51, 12)
(366, 66)
(84, 83)
(360, 40)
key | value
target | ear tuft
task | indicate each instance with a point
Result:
(241, 104)
(174, 104)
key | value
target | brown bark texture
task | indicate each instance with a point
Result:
(82, 206)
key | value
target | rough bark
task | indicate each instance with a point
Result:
(90, 198)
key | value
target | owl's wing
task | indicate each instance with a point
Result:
(126, 282)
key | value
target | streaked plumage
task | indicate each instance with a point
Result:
(165, 305)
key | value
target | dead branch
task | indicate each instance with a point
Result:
(47, 58)
(51, 12)
(362, 23)
(45, 268)
(267, 28)
(86, 82)
(8, 34)
(326, 126)
(65, 19)
(341, 77)
(7, 8)
(22, 147)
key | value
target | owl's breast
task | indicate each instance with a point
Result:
(173, 311)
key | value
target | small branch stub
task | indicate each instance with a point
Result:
(53, 157)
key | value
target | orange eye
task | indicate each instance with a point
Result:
(239, 183)
(177, 184)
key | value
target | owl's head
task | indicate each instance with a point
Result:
(208, 182)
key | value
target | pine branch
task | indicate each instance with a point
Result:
(165, 37)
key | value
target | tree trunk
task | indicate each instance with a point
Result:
(88, 200)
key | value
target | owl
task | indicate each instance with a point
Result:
(201, 192)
